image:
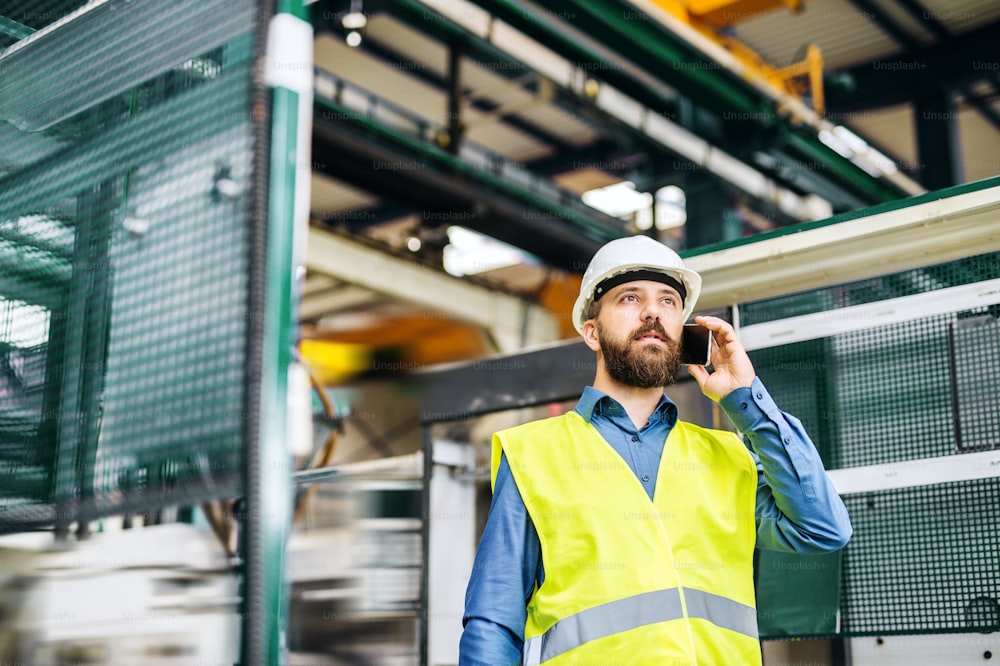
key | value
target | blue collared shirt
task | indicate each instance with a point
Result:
(797, 510)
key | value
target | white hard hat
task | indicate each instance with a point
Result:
(635, 254)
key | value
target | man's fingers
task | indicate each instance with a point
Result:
(699, 373)
(723, 330)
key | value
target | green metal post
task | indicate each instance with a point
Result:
(288, 74)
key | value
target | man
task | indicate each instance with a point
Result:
(619, 534)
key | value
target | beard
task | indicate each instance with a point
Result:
(641, 365)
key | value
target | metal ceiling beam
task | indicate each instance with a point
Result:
(513, 322)
(337, 299)
(648, 47)
(667, 102)
(360, 218)
(925, 18)
(597, 155)
(654, 123)
(388, 54)
(638, 43)
(938, 150)
(887, 24)
(420, 17)
(922, 72)
(361, 151)
(942, 33)
(499, 62)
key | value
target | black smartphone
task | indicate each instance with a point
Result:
(696, 345)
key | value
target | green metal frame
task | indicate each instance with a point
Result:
(269, 462)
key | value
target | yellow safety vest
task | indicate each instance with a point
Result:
(629, 580)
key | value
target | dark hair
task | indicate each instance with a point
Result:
(593, 310)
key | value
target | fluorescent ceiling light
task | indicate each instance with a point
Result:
(848, 144)
(469, 252)
(671, 194)
(618, 200)
(354, 21)
(854, 142)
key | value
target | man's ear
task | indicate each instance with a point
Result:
(590, 335)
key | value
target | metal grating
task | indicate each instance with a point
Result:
(892, 393)
(124, 262)
(923, 560)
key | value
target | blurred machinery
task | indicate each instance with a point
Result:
(164, 595)
(354, 563)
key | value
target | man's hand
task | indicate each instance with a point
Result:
(733, 368)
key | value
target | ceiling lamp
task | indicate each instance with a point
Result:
(353, 21)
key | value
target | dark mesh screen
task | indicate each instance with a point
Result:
(124, 231)
(923, 559)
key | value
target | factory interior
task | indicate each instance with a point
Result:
(273, 273)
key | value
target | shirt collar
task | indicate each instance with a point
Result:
(598, 403)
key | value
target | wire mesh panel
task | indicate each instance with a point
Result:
(889, 392)
(901, 394)
(923, 560)
(870, 396)
(124, 242)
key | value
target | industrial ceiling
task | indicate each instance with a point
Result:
(560, 98)
(497, 115)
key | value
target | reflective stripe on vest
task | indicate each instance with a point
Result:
(647, 608)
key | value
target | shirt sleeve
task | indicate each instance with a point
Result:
(508, 562)
(798, 508)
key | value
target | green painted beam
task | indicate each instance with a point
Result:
(875, 190)
(274, 517)
(662, 54)
(590, 226)
(273, 313)
(443, 29)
